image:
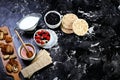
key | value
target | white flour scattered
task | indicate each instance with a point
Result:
(92, 58)
(91, 29)
(96, 44)
(56, 78)
(119, 7)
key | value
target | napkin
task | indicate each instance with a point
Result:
(42, 59)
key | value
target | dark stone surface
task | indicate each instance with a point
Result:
(95, 56)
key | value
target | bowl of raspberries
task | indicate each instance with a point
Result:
(42, 37)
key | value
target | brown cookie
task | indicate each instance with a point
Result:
(7, 49)
(1, 35)
(5, 57)
(80, 27)
(8, 39)
(4, 31)
(12, 66)
(1, 44)
(9, 68)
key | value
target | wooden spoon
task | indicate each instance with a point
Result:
(28, 52)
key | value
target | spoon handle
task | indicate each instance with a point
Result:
(21, 41)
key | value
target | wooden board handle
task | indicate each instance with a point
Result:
(16, 76)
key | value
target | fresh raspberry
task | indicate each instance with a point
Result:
(37, 37)
(42, 31)
(38, 40)
(47, 33)
(48, 38)
(38, 32)
(42, 42)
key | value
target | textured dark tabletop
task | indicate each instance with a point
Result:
(95, 56)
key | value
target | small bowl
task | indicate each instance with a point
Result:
(22, 53)
(42, 37)
(53, 26)
(29, 22)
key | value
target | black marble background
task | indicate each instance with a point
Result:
(95, 56)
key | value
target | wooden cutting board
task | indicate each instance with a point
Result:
(14, 75)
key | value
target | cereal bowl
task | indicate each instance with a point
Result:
(22, 52)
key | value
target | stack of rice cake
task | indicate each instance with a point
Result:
(72, 24)
(67, 22)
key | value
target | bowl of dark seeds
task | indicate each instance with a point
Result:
(52, 19)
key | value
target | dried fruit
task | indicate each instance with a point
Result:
(8, 39)
(12, 66)
(12, 57)
(1, 35)
(5, 57)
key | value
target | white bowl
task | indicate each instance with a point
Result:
(54, 39)
(41, 45)
(56, 25)
(29, 22)
(25, 58)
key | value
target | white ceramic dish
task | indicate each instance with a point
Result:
(29, 22)
(56, 25)
(54, 40)
(19, 52)
(49, 42)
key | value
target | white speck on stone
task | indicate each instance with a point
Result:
(101, 49)
(96, 44)
(55, 63)
(69, 58)
(56, 47)
(73, 52)
(87, 14)
(13, 37)
(79, 66)
(96, 59)
(56, 78)
(25, 1)
(84, 70)
(91, 29)
(69, 75)
(93, 51)
(38, 75)
(80, 11)
(119, 7)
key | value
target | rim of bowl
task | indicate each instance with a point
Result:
(52, 12)
(54, 40)
(36, 41)
(19, 52)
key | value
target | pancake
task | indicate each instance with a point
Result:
(8, 39)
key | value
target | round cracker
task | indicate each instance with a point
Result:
(80, 27)
(67, 31)
(68, 20)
